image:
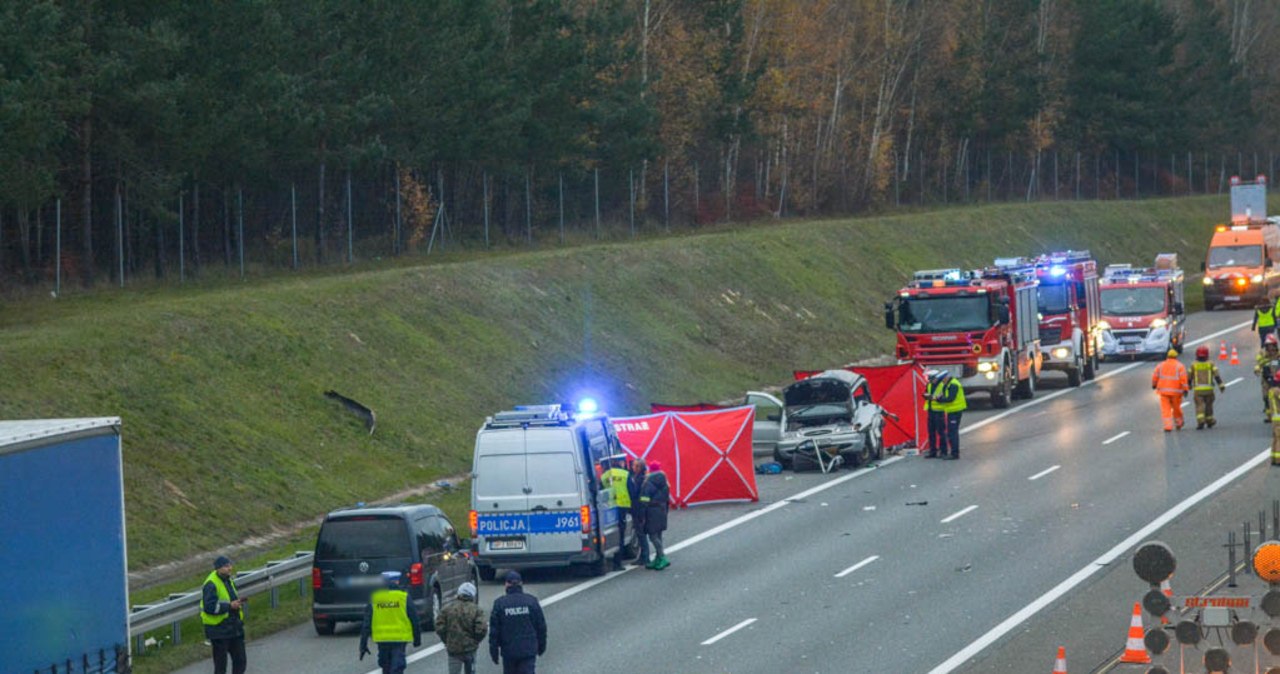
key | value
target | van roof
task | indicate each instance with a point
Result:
(399, 510)
(1237, 237)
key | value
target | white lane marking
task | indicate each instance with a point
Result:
(1044, 472)
(1095, 380)
(857, 566)
(958, 515)
(1107, 558)
(729, 631)
(1237, 380)
(721, 528)
(1115, 437)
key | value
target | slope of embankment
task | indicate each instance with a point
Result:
(227, 434)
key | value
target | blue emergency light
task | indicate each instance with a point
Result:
(588, 406)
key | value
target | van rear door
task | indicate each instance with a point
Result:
(555, 478)
(500, 490)
(352, 552)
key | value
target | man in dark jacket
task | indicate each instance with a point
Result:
(634, 482)
(461, 626)
(220, 612)
(391, 620)
(517, 629)
(655, 494)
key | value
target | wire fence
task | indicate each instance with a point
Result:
(211, 230)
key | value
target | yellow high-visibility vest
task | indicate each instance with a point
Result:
(616, 479)
(223, 595)
(1202, 375)
(390, 621)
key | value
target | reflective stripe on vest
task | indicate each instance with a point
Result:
(957, 405)
(616, 479)
(1273, 398)
(1202, 375)
(390, 621)
(1170, 377)
(1266, 317)
(223, 595)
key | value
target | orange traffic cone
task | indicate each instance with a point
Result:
(1134, 649)
(1235, 356)
(1222, 350)
(1168, 592)
(1060, 665)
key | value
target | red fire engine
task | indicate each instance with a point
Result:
(981, 326)
(1070, 314)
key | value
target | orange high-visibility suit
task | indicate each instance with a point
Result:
(1170, 382)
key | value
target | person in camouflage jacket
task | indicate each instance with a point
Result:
(461, 626)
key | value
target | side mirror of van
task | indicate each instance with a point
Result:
(1002, 314)
(1268, 263)
(1177, 308)
(1202, 267)
(888, 316)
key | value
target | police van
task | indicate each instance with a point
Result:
(536, 497)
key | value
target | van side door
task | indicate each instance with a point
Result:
(430, 549)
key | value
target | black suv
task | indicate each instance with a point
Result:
(356, 545)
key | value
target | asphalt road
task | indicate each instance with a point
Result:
(840, 574)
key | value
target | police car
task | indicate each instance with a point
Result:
(536, 498)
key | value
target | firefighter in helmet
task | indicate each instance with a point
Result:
(1204, 375)
(1266, 367)
(1273, 403)
(1170, 381)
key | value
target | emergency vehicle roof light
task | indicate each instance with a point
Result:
(1057, 270)
(1221, 228)
(588, 406)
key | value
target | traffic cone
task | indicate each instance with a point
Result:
(1222, 350)
(1168, 592)
(1060, 665)
(1135, 650)
(1235, 356)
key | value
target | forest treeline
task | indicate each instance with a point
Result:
(165, 137)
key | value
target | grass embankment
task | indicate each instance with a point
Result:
(227, 435)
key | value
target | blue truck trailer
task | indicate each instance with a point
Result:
(62, 547)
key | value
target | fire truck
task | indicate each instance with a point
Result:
(1068, 296)
(1142, 309)
(981, 326)
(1239, 269)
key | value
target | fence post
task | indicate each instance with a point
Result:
(561, 182)
(1097, 176)
(988, 175)
(484, 181)
(120, 234)
(57, 274)
(897, 186)
(1117, 174)
(631, 192)
(697, 196)
(1137, 177)
(182, 238)
(1077, 175)
(240, 227)
(351, 258)
(528, 206)
(293, 214)
(666, 195)
(396, 244)
(597, 174)
(1055, 174)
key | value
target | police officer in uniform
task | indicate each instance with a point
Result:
(223, 624)
(517, 629)
(614, 480)
(391, 620)
(1204, 374)
(949, 395)
(1264, 319)
(1267, 366)
(937, 419)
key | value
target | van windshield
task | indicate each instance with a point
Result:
(363, 538)
(944, 314)
(1235, 256)
(500, 476)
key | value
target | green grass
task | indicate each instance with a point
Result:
(260, 619)
(227, 435)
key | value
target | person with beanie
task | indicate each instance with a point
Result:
(392, 622)
(517, 629)
(655, 494)
(461, 626)
(220, 612)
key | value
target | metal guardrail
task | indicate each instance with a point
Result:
(171, 612)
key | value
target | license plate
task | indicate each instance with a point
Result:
(1231, 298)
(364, 581)
(506, 545)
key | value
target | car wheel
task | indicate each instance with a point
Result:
(1074, 375)
(487, 573)
(1000, 397)
(867, 454)
(429, 621)
(324, 627)
(879, 438)
(1091, 366)
(1027, 387)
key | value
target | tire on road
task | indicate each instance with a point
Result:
(324, 628)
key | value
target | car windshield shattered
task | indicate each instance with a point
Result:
(817, 402)
(943, 314)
